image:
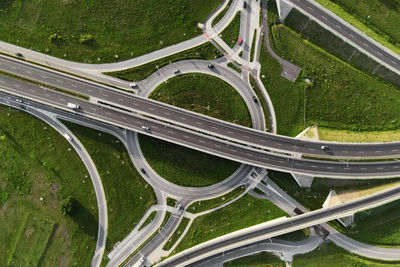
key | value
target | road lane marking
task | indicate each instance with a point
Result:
(215, 128)
(230, 132)
(379, 168)
(27, 71)
(394, 150)
(330, 168)
(199, 123)
(73, 85)
(245, 136)
(170, 131)
(59, 81)
(167, 113)
(378, 151)
(150, 108)
(313, 166)
(182, 118)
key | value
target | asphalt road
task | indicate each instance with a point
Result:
(348, 33)
(236, 152)
(200, 122)
(290, 224)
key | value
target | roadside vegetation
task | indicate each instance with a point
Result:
(206, 51)
(263, 259)
(149, 219)
(117, 30)
(35, 177)
(230, 34)
(203, 205)
(263, 103)
(228, 219)
(379, 226)
(380, 20)
(329, 254)
(353, 136)
(171, 202)
(128, 195)
(221, 14)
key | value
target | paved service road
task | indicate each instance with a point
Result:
(203, 143)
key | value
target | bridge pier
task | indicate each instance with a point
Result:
(332, 200)
(303, 180)
(283, 9)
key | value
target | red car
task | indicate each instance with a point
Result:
(240, 41)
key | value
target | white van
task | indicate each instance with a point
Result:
(73, 106)
(68, 137)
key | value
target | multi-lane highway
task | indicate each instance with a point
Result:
(370, 47)
(178, 135)
(198, 122)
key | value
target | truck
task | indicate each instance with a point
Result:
(73, 106)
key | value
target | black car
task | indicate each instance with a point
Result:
(211, 66)
(244, 5)
(143, 171)
(255, 99)
(19, 55)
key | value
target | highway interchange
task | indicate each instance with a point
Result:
(253, 147)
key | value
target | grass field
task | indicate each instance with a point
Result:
(380, 20)
(124, 28)
(205, 51)
(228, 219)
(204, 205)
(204, 94)
(263, 259)
(379, 226)
(178, 232)
(34, 237)
(352, 136)
(128, 195)
(231, 33)
(339, 96)
(36, 161)
(330, 255)
(287, 97)
(184, 166)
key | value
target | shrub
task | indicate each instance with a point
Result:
(67, 205)
(85, 38)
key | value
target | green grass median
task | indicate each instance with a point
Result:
(128, 195)
(230, 34)
(245, 212)
(39, 168)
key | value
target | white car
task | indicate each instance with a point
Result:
(176, 71)
(73, 106)
(19, 100)
(324, 147)
(68, 137)
(147, 129)
(133, 85)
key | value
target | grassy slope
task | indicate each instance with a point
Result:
(228, 219)
(118, 26)
(128, 195)
(352, 136)
(331, 255)
(204, 205)
(231, 33)
(36, 161)
(339, 96)
(378, 19)
(205, 51)
(263, 259)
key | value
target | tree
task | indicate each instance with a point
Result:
(67, 205)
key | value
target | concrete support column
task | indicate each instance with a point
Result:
(303, 180)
